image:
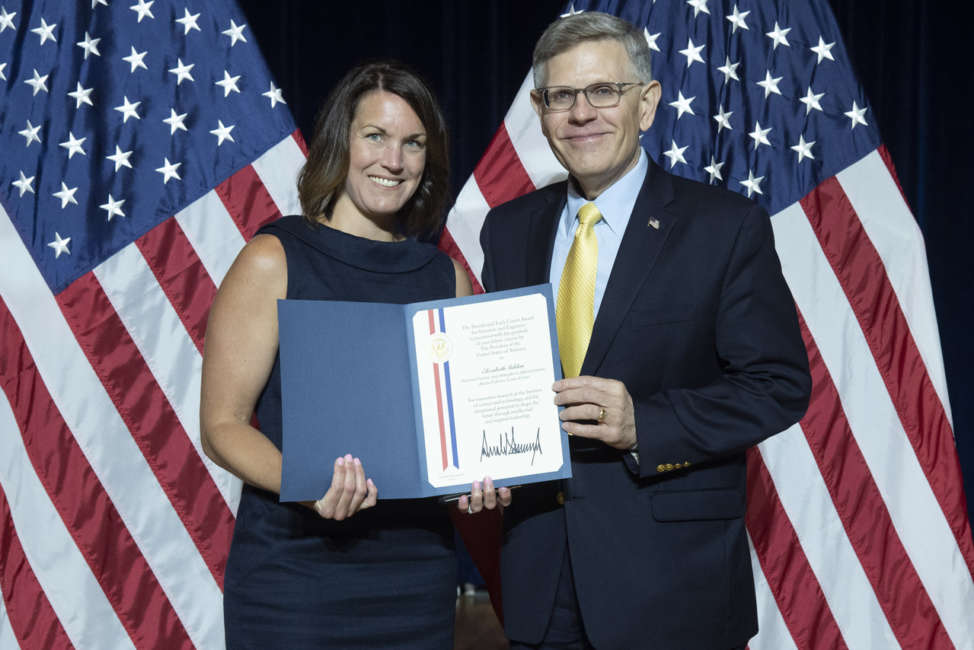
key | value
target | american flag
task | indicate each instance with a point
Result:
(856, 515)
(143, 142)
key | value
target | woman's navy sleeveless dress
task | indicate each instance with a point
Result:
(386, 577)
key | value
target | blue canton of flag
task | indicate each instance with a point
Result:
(116, 116)
(759, 97)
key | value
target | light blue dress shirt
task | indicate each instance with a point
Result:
(615, 204)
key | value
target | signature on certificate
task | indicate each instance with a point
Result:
(508, 445)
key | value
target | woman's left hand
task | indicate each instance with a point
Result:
(484, 496)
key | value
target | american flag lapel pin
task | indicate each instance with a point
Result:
(653, 223)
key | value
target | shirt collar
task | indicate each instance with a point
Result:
(616, 202)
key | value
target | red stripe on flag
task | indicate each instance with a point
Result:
(790, 578)
(449, 246)
(899, 590)
(860, 271)
(299, 139)
(150, 418)
(248, 201)
(888, 161)
(88, 513)
(33, 620)
(500, 174)
(181, 275)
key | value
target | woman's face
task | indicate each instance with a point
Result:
(386, 155)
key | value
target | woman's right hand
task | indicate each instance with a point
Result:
(349, 493)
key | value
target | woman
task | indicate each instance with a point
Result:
(346, 570)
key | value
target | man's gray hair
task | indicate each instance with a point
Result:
(565, 33)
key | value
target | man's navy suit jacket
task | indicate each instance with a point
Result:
(699, 325)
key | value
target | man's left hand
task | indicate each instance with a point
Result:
(604, 403)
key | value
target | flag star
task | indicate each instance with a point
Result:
(682, 105)
(66, 195)
(81, 96)
(3, 67)
(120, 158)
(95, 3)
(810, 100)
(737, 19)
(723, 119)
(572, 11)
(729, 69)
(778, 36)
(175, 121)
(45, 31)
(113, 207)
(856, 115)
(24, 184)
(38, 83)
(713, 169)
(675, 154)
(182, 72)
(89, 45)
(7, 20)
(228, 83)
(222, 133)
(59, 245)
(169, 170)
(128, 109)
(31, 133)
(698, 6)
(274, 94)
(759, 135)
(235, 32)
(692, 52)
(144, 9)
(823, 50)
(188, 21)
(752, 183)
(651, 39)
(804, 149)
(135, 59)
(73, 145)
(770, 84)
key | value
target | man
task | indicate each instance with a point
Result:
(681, 349)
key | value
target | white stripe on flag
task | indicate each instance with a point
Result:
(62, 572)
(164, 343)
(103, 437)
(212, 233)
(914, 510)
(524, 130)
(807, 501)
(278, 170)
(894, 232)
(7, 637)
(773, 634)
(464, 223)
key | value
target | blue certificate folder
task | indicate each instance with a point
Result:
(349, 386)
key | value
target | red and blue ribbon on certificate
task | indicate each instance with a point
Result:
(443, 390)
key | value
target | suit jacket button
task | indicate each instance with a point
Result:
(661, 468)
(668, 466)
(560, 498)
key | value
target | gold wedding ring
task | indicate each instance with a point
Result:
(601, 414)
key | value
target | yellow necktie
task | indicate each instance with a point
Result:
(574, 312)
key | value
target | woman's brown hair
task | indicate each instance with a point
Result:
(322, 178)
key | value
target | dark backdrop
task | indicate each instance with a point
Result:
(912, 57)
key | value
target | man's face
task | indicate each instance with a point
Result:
(596, 145)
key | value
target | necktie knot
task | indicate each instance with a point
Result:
(588, 214)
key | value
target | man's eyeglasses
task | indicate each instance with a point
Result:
(604, 94)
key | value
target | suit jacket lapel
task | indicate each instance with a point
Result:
(541, 233)
(649, 225)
